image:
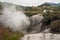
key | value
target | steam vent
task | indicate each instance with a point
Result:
(19, 22)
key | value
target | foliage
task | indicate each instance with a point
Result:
(1, 6)
(55, 26)
(7, 34)
(48, 17)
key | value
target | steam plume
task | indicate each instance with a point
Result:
(12, 18)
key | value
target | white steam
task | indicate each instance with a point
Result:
(12, 18)
(18, 21)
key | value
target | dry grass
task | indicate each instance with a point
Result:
(7, 34)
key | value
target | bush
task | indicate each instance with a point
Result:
(48, 17)
(55, 26)
(7, 34)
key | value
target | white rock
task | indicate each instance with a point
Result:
(41, 36)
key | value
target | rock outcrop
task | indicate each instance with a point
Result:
(36, 24)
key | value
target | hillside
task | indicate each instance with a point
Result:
(50, 11)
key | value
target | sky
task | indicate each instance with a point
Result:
(30, 2)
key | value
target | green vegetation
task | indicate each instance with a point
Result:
(52, 13)
(55, 26)
(51, 19)
(6, 34)
(1, 6)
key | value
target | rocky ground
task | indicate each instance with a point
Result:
(42, 36)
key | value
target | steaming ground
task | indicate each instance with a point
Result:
(18, 21)
(15, 20)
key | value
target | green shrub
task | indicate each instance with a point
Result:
(55, 26)
(48, 17)
(7, 34)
